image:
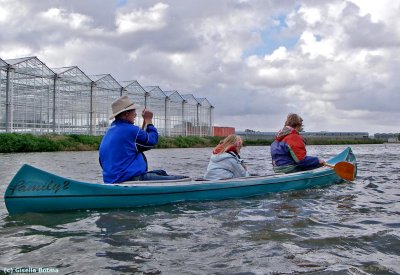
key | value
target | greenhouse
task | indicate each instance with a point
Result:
(41, 100)
(3, 88)
(104, 90)
(156, 98)
(72, 107)
(175, 118)
(204, 116)
(27, 96)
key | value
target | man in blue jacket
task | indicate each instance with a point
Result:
(121, 148)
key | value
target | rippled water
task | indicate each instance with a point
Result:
(352, 228)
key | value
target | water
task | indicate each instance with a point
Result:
(352, 228)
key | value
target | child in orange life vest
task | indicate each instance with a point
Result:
(225, 162)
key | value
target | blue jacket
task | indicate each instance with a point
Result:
(289, 154)
(119, 154)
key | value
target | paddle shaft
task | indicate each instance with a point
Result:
(329, 165)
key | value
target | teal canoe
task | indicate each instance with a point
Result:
(35, 190)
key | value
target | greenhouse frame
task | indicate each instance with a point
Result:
(41, 100)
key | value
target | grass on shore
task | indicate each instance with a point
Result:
(16, 143)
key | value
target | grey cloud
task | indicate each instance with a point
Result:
(363, 33)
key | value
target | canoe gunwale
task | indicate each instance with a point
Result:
(171, 192)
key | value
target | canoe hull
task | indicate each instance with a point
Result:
(34, 190)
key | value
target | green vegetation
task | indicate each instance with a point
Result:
(15, 143)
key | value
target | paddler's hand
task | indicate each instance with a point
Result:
(147, 116)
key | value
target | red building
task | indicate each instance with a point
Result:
(220, 131)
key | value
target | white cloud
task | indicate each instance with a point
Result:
(227, 35)
(60, 16)
(4, 14)
(382, 10)
(73, 51)
(310, 45)
(142, 20)
(177, 58)
(134, 55)
(279, 54)
(11, 12)
(10, 51)
(311, 15)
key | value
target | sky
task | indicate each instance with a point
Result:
(336, 63)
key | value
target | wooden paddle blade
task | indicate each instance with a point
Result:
(345, 170)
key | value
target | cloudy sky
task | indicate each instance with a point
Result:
(336, 62)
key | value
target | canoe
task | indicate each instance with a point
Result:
(35, 190)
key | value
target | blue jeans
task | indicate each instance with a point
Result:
(157, 175)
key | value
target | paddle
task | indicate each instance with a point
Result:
(140, 148)
(343, 169)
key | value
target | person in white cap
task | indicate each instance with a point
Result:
(120, 152)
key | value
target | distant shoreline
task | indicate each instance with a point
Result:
(22, 143)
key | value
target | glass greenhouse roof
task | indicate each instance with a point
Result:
(30, 66)
(204, 101)
(189, 98)
(133, 86)
(174, 96)
(3, 63)
(72, 74)
(105, 81)
(155, 91)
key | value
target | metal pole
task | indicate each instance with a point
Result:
(165, 117)
(8, 99)
(183, 119)
(146, 94)
(54, 102)
(91, 108)
(198, 130)
(211, 121)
